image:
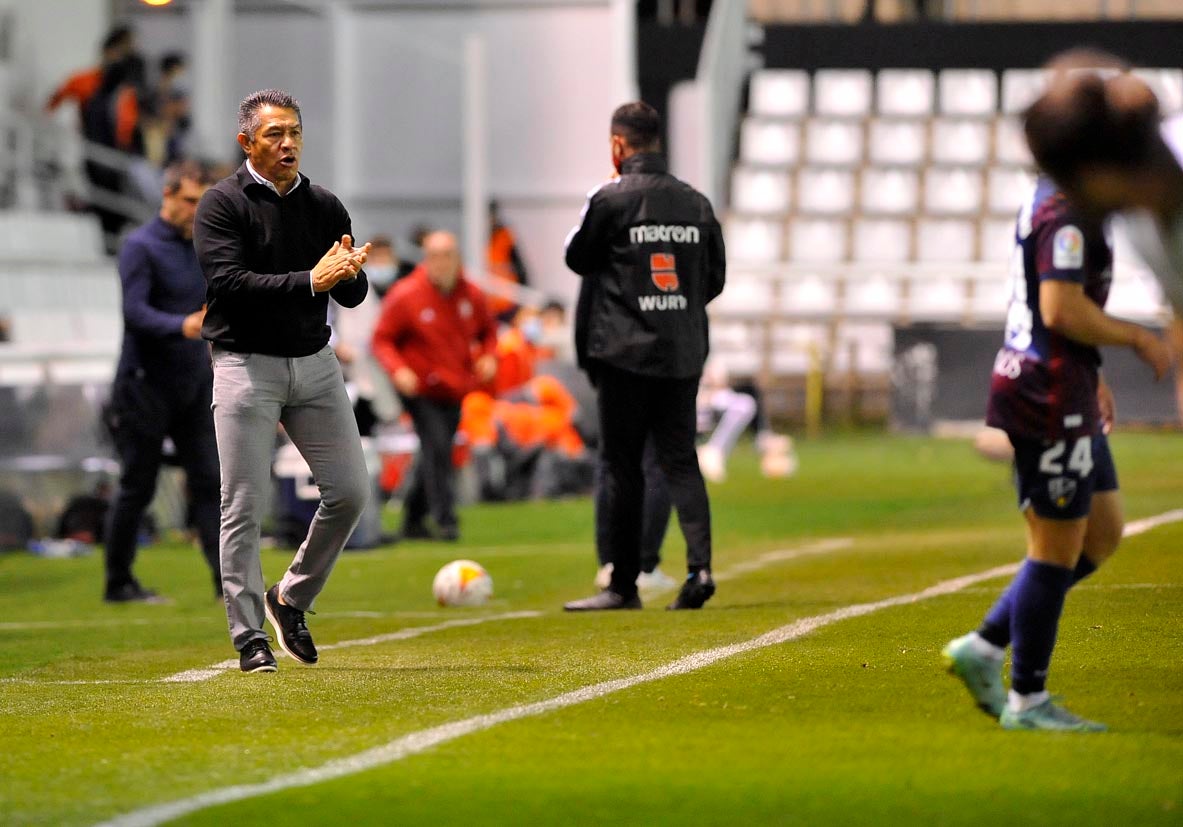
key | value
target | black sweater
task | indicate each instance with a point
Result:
(257, 250)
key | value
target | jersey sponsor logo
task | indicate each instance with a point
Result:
(663, 269)
(1061, 490)
(1068, 248)
(674, 302)
(427, 315)
(678, 233)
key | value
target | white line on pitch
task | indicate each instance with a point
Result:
(425, 739)
(212, 671)
(781, 555)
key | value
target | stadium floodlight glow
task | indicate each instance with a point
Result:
(156, 2)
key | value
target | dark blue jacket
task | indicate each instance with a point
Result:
(162, 284)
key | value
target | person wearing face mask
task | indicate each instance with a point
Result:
(384, 267)
(353, 327)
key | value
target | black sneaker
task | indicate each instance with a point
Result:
(416, 531)
(133, 592)
(256, 656)
(291, 633)
(448, 533)
(697, 590)
(607, 600)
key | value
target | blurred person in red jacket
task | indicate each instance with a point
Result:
(436, 339)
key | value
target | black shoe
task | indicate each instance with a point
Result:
(133, 592)
(607, 600)
(697, 590)
(448, 533)
(291, 633)
(256, 656)
(416, 531)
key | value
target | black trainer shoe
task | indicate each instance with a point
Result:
(448, 533)
(133, 592)
(697, 590)
(256, 656)
(291, 633)
(607, 600)
(416, 531)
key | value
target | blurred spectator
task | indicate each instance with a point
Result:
(81, 86)
(436, 340)
(557, 340)
(725, 414)
(170, 108)
(353, 331)
(517, 351)
(384, 267)
(504, 262)
(163, 385)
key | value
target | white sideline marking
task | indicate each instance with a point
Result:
(212, 671)
(781, 555)
(422, 740)
(205, 673)
(425, 739)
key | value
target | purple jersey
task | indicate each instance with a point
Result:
(1044, 384)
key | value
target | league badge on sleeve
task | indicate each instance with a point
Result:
(1068, 248)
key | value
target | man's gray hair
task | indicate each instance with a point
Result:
(248, 110)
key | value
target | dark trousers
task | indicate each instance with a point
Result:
(634, 408)
(142, 415)
(655, 511)
(432, 489)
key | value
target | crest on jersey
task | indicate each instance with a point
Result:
(1068, 248)
(664, 272)
(1062, 491)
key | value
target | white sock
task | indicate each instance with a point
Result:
(1021, 703)
(984, 648)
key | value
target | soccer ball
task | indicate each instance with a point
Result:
(462, 583)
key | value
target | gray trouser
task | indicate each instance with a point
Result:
(252, 394)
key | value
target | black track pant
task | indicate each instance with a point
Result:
(432, 487)
(634, 408)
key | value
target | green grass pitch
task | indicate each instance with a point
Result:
(852, 723)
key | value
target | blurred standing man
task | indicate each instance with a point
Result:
(274, 248)
(163, 382)
(436, 339)
(651, 255)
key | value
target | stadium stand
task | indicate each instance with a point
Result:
(888, 198)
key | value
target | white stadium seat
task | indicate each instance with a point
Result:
(990, 297)
(1007, 188)
(902, 142)
(1010, 145)
(833, 141)
(770, 143)
(825, 191)
(870, 345)
(780, 93)
(872, 295)
(750, 296)
(817, 240)
(996, 239)
(960, 141)
(952, 191)
(968, 92)
(794, 347)
(945, 240)
(939, 298)
(760, 191)
(1168, 87)
(809, 296)
(890, 191)
(1020, 88)
(905, 92)
(842, 92)
(754, 240)
(881, 240)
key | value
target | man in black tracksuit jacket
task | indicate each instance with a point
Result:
(651, 255)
